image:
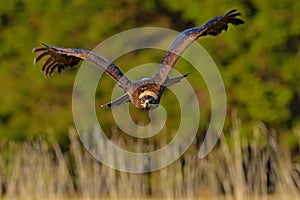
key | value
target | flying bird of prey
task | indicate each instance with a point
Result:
(145, 94)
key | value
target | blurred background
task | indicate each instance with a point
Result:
(259, 62)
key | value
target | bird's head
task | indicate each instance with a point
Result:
(148, 100)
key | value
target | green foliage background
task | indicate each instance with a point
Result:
(259, 61)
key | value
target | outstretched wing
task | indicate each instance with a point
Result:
(213, 27)
(62, 58)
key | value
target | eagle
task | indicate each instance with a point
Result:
(146, 93)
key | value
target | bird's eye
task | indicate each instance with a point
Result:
(152, 101)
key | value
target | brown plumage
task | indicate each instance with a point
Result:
(145, 94)
(55, 61)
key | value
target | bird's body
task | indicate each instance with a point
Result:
(145, 93)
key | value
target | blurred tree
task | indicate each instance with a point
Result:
(31, 104)
(259, 61)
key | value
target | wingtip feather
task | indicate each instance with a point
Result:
(231, 11)
(44, 44)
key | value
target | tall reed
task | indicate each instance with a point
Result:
(237, 168)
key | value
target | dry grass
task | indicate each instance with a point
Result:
(236, 169)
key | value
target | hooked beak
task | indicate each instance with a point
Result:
(146, 104)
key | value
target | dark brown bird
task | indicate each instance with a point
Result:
(145, 94)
